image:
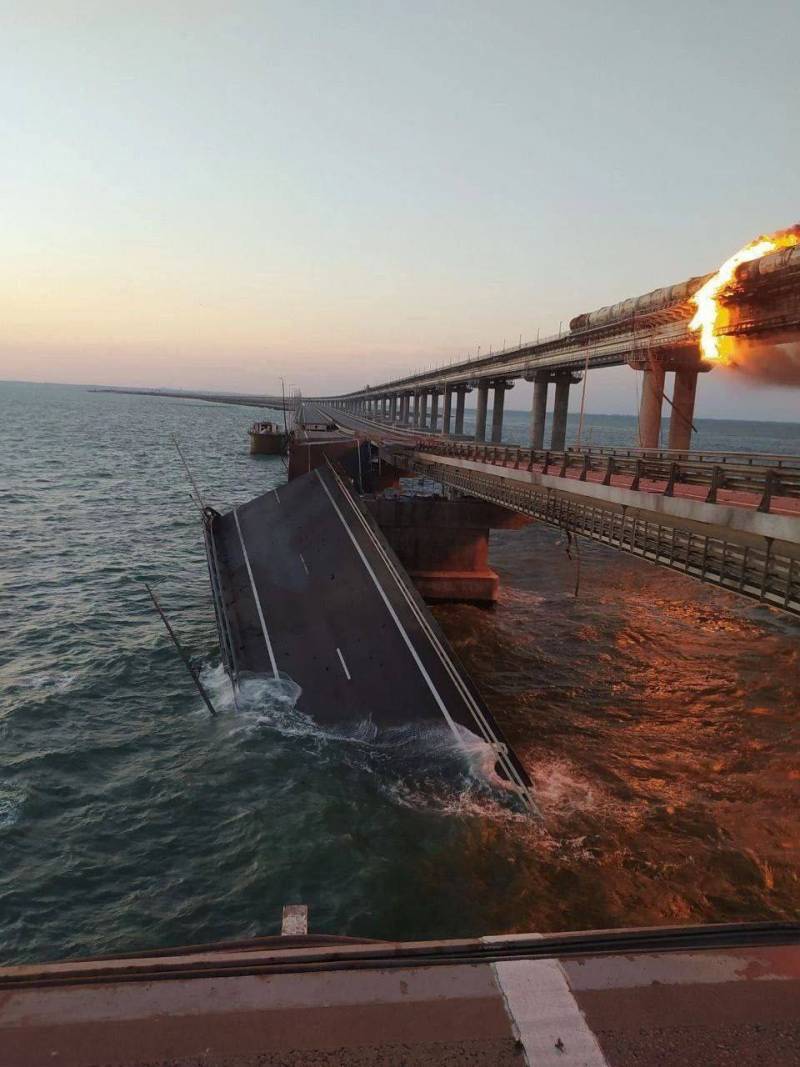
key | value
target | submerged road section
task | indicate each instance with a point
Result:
(307, 587)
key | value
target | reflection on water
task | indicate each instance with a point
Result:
(659, 721)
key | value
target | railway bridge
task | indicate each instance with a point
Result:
(649, 333)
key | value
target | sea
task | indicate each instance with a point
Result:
(658, 718)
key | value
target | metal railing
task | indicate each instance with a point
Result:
(763, 477)
(759, 572)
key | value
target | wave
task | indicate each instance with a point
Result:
(458, 770)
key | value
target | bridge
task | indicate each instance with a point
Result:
(725, 518)
(649, 333)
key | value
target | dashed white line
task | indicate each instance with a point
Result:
(255, 594)
(409, 644)
(275, 491)
(344, 665)
(305, 565)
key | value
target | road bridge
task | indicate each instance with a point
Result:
(727, 519)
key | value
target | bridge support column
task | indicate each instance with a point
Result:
(480, 415)
(538, 410)
(448, 400)
(461, 395)
(497, 409)
(393, 409)
(434, 425)
(650, 407)
(558, 435)
(682, 415)
(422, 406)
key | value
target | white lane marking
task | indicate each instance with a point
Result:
(344, 665)
(275, 491)
(255, 594)
(455, 676)
(305, 566)
(546, 1016)
(390, 609)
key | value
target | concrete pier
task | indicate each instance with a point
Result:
(497, 409)
(651, 405)
(422, 404)
(538, 410)
(448, 399)
(682, 415)
(461, 395)
(558, 435)
(443, 544)
(434, 423)
(480, 415)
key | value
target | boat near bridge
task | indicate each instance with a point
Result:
(267, 440)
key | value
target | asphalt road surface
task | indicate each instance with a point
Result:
(311, 589)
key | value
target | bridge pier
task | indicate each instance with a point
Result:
(422, 406)
(651, 404)
(682, 417)
(448, 400)
(498, 405)
(461, 395)
(558, 434)
(480, 414)
(393, 409)
(538, 410)
(434, 409)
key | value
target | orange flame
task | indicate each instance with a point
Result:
(706, 297)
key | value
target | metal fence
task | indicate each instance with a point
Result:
(763, 477)
(758, 572)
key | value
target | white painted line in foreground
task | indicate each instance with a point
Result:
(305, 567)
(550, 1025)
(255, 594)
(344, 665)
(275, 491)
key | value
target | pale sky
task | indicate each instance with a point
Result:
(211, 195)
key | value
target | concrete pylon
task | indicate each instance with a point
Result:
(434, 410)
(558, 435)
(393, 408)
(538, 411)
(448, 400)
(682, 416)
(480, 414)
(651, 404)
(497, 410)
(461, 395)
(422, 406)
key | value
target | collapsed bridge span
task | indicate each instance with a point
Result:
(306, 587)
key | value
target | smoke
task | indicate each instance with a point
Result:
(766, 364)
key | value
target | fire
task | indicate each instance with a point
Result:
(705, 299)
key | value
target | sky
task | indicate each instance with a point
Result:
(213, 195)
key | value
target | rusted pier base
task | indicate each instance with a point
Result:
(443, 544)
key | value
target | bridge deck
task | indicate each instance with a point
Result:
(308, 587)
